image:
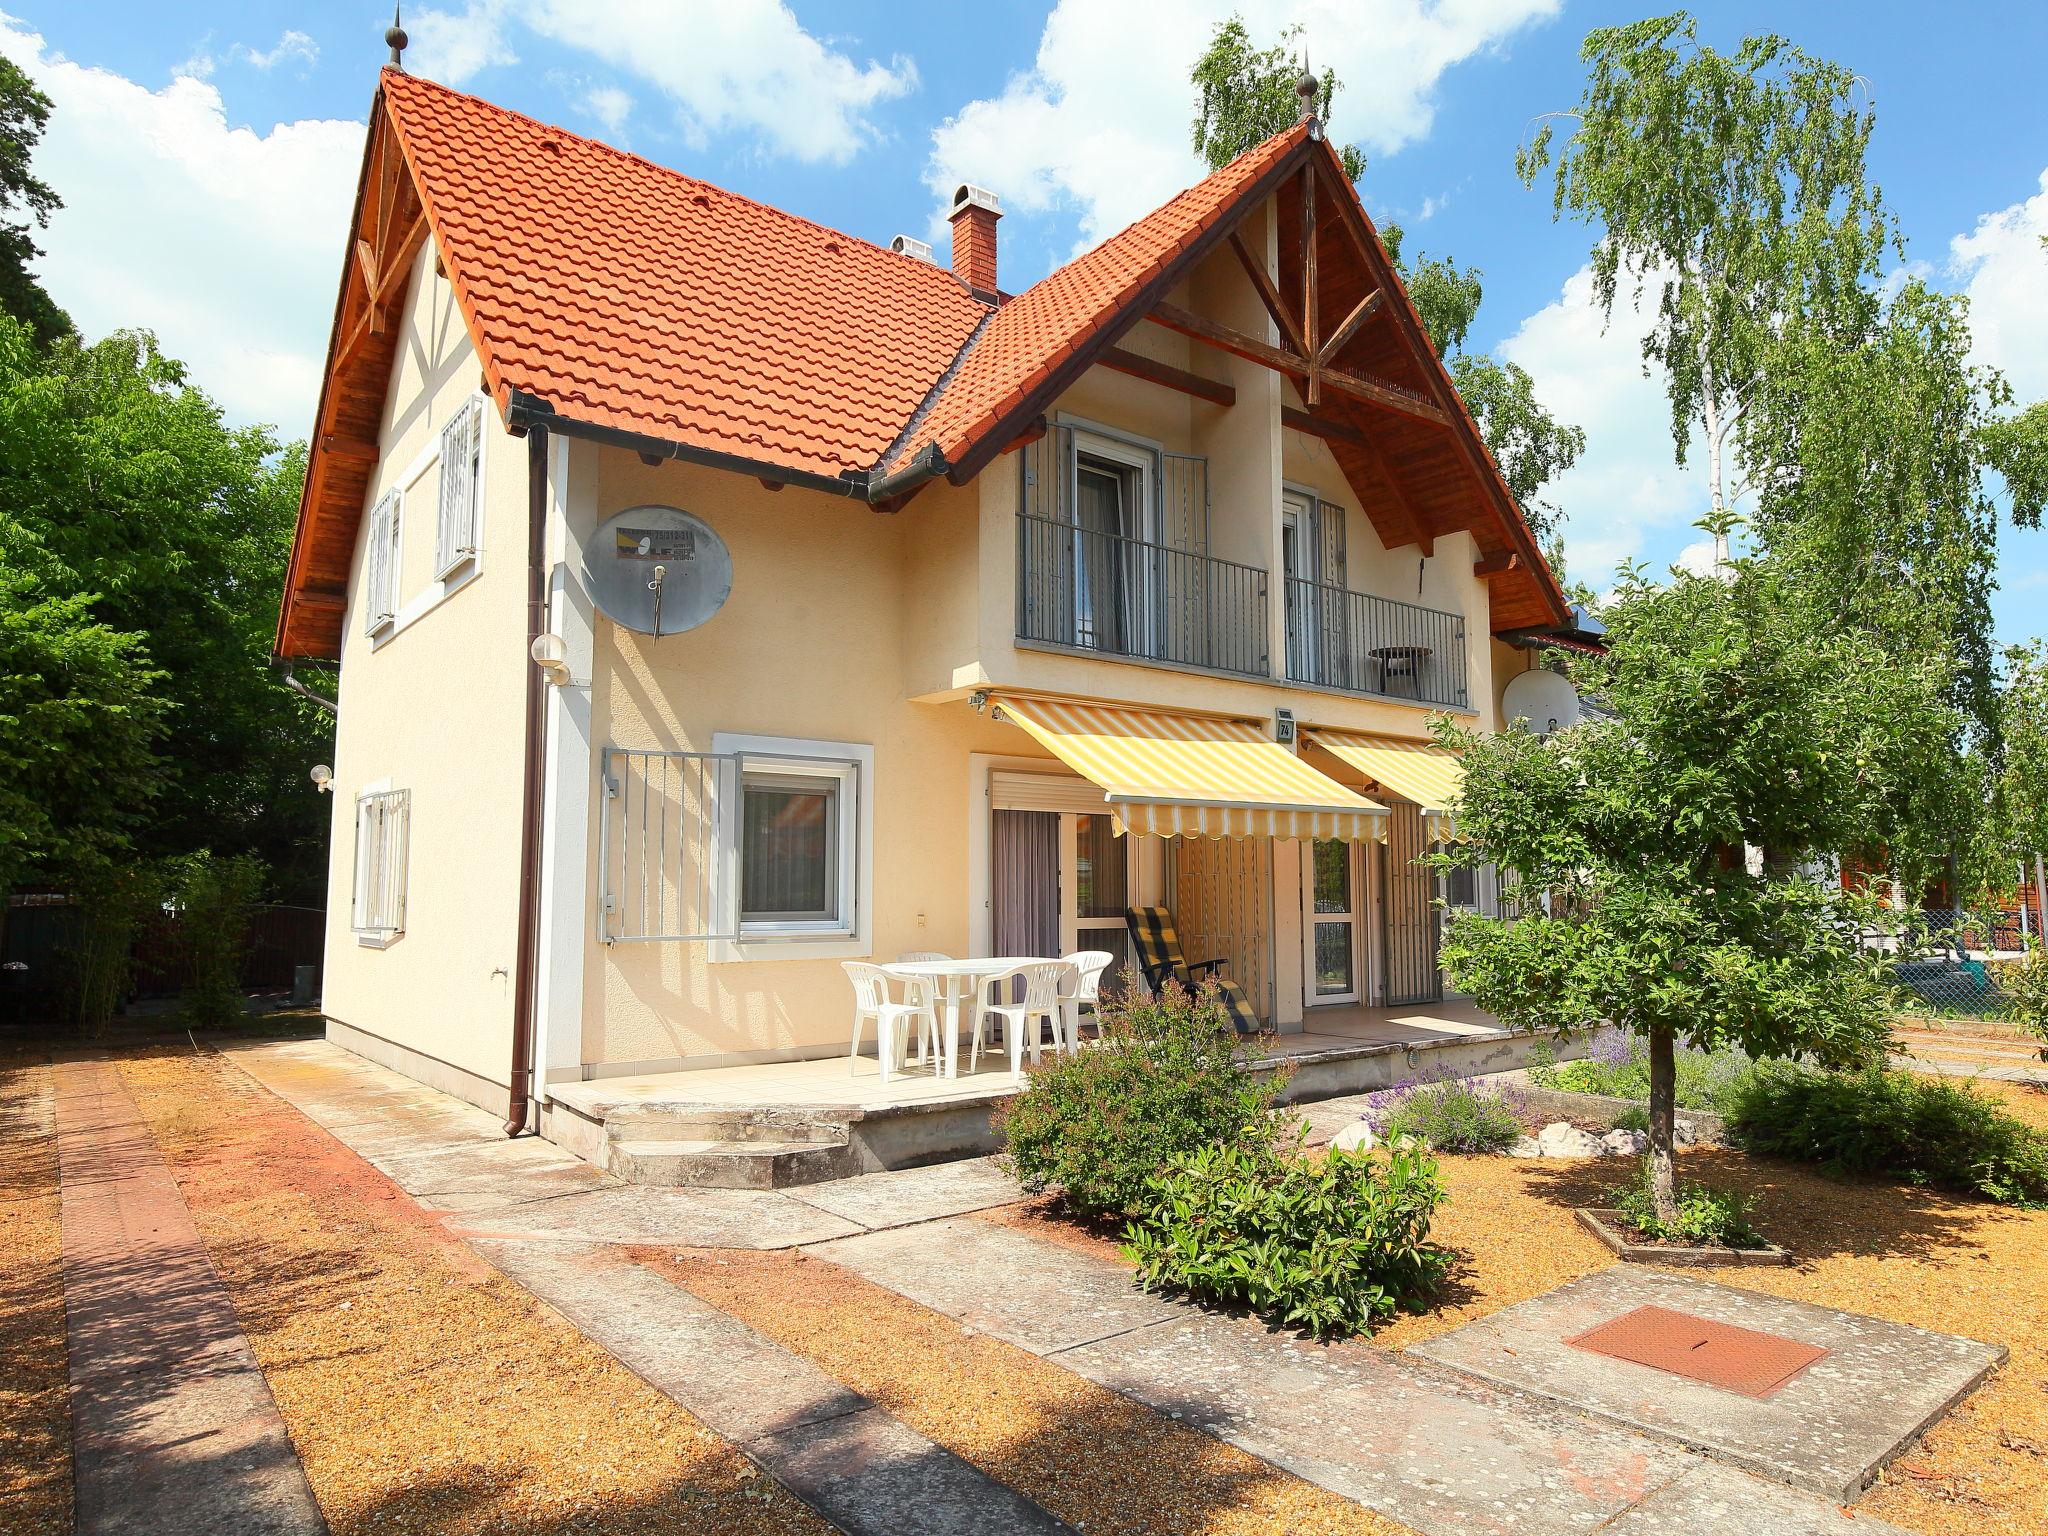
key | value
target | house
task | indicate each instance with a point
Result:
(978, 617)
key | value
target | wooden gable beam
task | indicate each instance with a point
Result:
(1268, 294)
(1496, 565)
(1408, 524)
(1139, 366)
(1308, 282)
(1226, 338)
(1361, 312)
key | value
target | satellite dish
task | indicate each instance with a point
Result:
(1546, 699)
(657, 570)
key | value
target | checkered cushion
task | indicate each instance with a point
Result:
(1158, 951)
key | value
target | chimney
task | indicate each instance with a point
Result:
(975, 211)
(905, 245)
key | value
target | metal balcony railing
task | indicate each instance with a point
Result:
(1125, 597)
(1344, 639)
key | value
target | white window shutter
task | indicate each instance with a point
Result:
(381, 562)
(461, 463)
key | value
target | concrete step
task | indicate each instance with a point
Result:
(696, 1163)
(698, 1122)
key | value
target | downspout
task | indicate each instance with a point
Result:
(526, 964)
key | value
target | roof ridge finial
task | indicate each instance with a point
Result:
(395, 36)
(1305, 87)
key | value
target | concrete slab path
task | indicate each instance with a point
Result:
(1830, 1429)
(173, 1426)
(1422, 1446)
(560, 1228)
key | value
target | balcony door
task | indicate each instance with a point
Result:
(1112, 515)
(1312, 567)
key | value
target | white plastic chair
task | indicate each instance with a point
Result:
(1043, 980)
(920, 986)
(871, 1000)
(1083, 989)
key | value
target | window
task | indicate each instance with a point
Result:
(462, 465)
(383, 826)
(797, 840)
(380, 586)
(789, 849)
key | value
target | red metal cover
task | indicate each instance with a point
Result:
(1719, 1354)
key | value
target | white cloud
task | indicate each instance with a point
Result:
(610, 105)
(2004, 269)
(1099, 125)
(452, 46)
(737, 66)
(223, 241)
(1626, 491)
(293, 45)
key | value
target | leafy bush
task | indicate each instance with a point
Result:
(1619, 1068)
(215, 897)
(1634, 1118)
(1925, 1130)
(1710, 1217)
(1164, 1079)
(2024, 985)
(1330, 1245)
(1450, 1114)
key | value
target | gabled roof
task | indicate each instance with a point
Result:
(621, 298)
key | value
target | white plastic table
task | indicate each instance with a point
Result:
(957, 980)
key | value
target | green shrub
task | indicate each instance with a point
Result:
(1714, 1218)
(2024, 985)
(1620, 1069)
(1164, 1079)
(215, 899)
(1329, 1245)
(1925, 1130)
(1635, 1118)
(1449, 1114)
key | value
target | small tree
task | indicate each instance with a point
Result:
(1734, 713)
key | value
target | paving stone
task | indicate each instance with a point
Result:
(1035, 1294)
(864, 1470)
(174, 1429)
(491, 1176)
(1829, 1429)
(870, 1472)
(1713, 1500)
(683, 1218)
(908, 1195)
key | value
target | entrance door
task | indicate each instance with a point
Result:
(1333, 924)
(1409, 913)
(1024, 859)
(1100, 893)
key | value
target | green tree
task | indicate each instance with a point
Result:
(1734, 186)
(1246, 95)
(173, 526)
(25, 201)
(1249, 94)
(2017, 447)
(2023, 777)
(1736, 712)
(78, 723)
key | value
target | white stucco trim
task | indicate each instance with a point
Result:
(565, 802)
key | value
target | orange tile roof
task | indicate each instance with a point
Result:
(1040, 328)
(627, 295)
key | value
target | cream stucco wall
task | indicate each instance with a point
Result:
(434, 706)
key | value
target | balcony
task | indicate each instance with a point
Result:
(1337, 638)
(1095, 591)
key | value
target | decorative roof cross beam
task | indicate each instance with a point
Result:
(1314, 395)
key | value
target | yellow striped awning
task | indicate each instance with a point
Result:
(1166, 774)
(1414, 770)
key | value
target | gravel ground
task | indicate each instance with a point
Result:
(35, 1417)
(424, 1391)
(1097, 1460)
(1910, 1255)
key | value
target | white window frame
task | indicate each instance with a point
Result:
(456, 541)
(850, 766)
(382, 854)
(381, 552)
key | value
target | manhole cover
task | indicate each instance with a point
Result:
(1719, 1354)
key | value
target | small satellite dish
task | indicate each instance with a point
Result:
(1547, 700)
(657, 570)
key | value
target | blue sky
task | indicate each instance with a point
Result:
(208, 156)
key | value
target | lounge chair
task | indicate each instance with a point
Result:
(1157, 947)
